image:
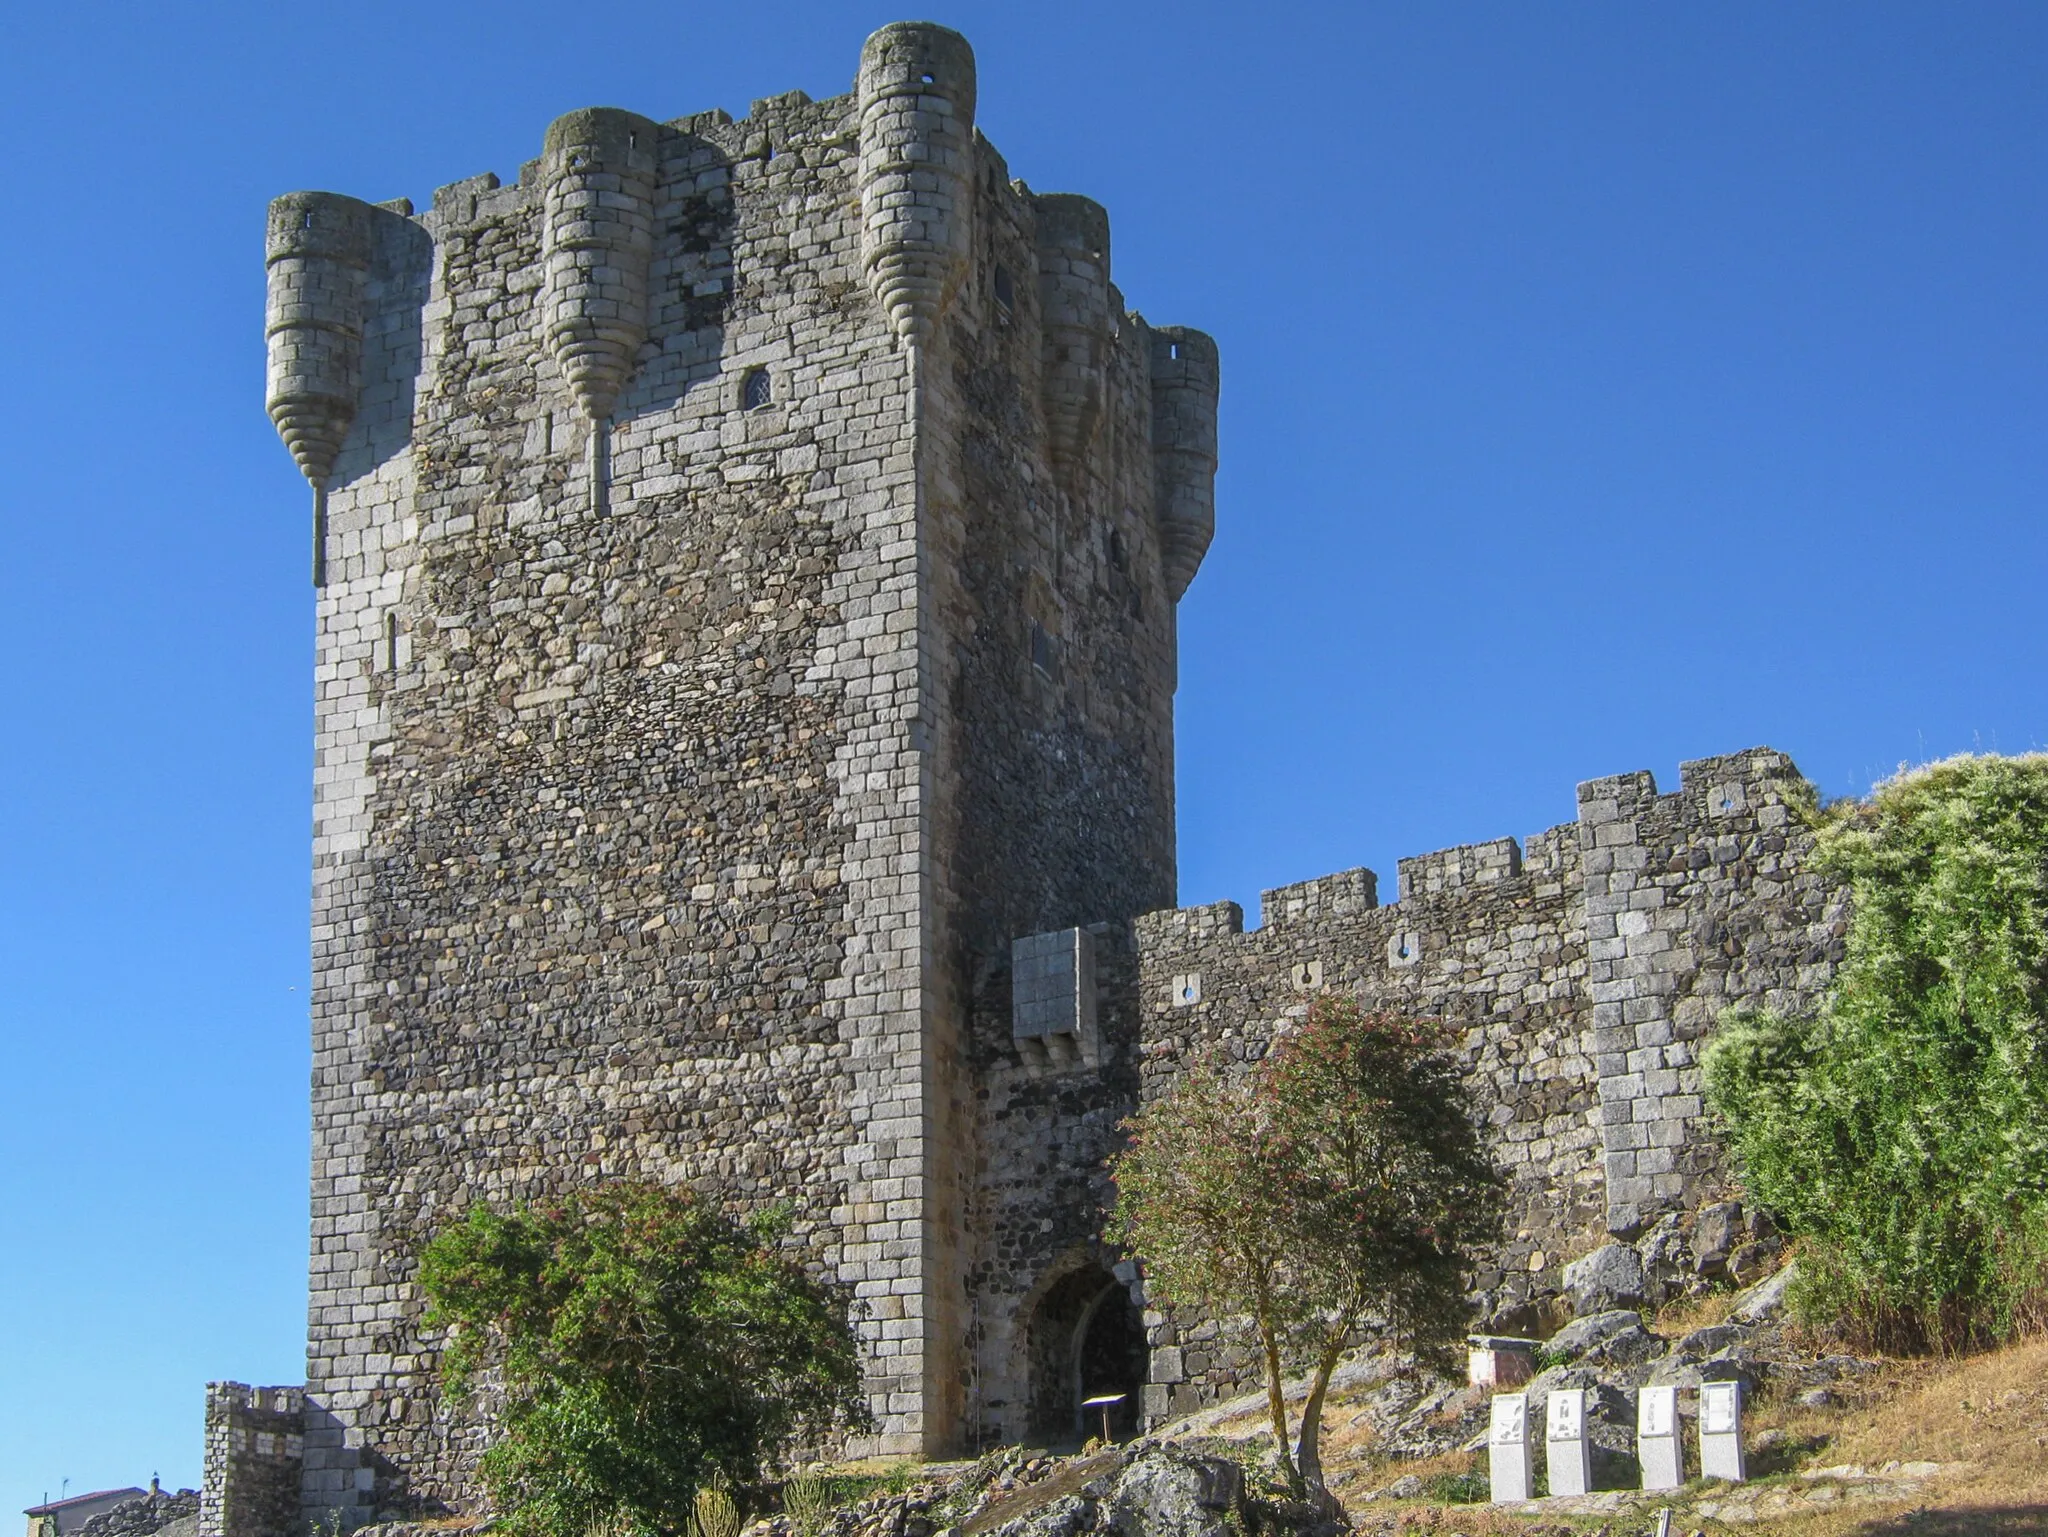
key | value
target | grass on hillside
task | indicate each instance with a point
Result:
(1989, 1412)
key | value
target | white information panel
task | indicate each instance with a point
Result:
(1721, 1431)
(1567, 1454)
(1507, 1449)
(1657, 1439)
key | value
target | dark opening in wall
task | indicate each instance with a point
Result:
(757, 390)
(1086, 1340)
(1006, 289)
(1119, 556)
(1045, 654)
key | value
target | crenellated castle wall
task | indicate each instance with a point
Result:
(1581, 969)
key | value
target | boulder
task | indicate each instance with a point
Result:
(1715, 1235)
(1583, 1334)
(1766, 1300)
(1151, 1489)
(1710, 1341)
(1608, 1278)
(1166, 1492)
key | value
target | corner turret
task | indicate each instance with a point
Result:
(1185, 376)
(916, 170)
(598, 170)
(1073, 289)
(318, 259)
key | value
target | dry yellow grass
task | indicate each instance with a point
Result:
(1689, 1313)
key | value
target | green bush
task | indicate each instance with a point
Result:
(649, 1358)
(1470, 1488)
(1902, 1130)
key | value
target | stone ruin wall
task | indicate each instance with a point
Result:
(255, 1445)
(1584, 969)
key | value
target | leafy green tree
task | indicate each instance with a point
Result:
(1902, 1129)
(638, 1346)
(1330, 1196)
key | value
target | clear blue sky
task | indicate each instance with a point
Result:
(1604, 385)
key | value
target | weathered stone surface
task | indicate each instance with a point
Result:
(1715, 1235)
(149, 1515)
(1610, 1277)
(1583, 1334)
(1166, 1492)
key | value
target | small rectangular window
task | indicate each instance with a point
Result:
(1044, 650)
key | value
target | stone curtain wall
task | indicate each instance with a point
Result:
(255, 1446)
(1583, 970)
(1694, 901)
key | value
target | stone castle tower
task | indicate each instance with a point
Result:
(747, 556)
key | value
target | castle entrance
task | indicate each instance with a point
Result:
(1087, 1339)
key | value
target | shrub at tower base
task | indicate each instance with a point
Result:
(1327, 1198)
(1902, 1130)
(641, 1347)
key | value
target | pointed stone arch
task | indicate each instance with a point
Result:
(1080, 1333)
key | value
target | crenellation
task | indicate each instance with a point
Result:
(1330, 896)
(1581, 973)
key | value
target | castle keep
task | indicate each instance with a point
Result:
(747, 556)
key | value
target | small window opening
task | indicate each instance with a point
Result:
(757, 390)
(1119, 557)
(309, 219)
(927, 79)
(391, 642)
(633, 140)
(1006, 288)
(1044, 655)
(1173, 349)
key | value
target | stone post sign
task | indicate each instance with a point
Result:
(1721, 1431)
(1507, 1448)
(1657, 1443)
(1567, 1454)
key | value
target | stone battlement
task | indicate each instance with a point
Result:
(1582, 971)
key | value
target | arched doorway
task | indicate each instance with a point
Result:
(1087, 1339)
